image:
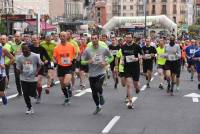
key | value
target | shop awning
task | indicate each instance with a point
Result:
(44, 26)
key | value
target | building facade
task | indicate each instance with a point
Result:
(56, 8)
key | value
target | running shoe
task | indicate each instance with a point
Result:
(30, 111)
(137, 90)
(148, 86)
(101, 100)
(161, 86)
(47, 91)
(97, 110)
(130, 105)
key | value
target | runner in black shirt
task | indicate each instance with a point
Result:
(114, 49)
(131, 54)
(36, 48)
(148, 58)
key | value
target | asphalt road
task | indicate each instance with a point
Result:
(154, 112)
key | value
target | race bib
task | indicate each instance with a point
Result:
(192, 51)
(114, 52)
(171, 57)
(98, 58)
(163, 55)
(27, 67)
(52, 64)
(131, 58)
(65, 60)
(148, 56)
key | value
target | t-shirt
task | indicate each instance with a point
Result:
(190, 51)
(8, 47)
(49, 47)
(2, 62)
(160, 60)
(169, 50)
(130, 55)
(147, 51)
(121, 60)
(97, 55)
(41, 52)
(16, 47)
(64, 54)
(28, 67)
(113, 51)
(75, 44)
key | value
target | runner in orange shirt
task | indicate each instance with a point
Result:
(64, 55)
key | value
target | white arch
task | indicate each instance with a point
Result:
(162, 19)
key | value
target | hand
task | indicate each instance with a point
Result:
(46, 61)
(104, 64)
(2, 66)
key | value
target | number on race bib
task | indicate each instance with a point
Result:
(171, 57)
(27, 68)
(65, 60)
(131, 58)
(192, 51)
(114, 52)
(148, 56)
(97, 59)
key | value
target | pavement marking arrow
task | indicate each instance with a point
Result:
(195, 97)
(88, 90)
(110, 125)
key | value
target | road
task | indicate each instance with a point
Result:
(154, 113)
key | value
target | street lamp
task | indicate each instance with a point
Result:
(145, 18)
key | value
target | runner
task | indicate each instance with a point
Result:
(173, 55)
(44, 57)
(76, 46)
(196, 58)
(161, 61)
(49, 46)
(8, 47)
(64, 54)
(83, 68)
(131, 53)
(114, 49)
(190, 50)
(16, 46)
(28, 65)
(148, 58)
(4, 52)
(95, 57)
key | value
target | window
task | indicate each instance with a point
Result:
(132, 14)
(131, 7)
(174, 9)
(124, 7)
(124, 14)
(164, 0)
(174, 18)
(131, 0)
(140, 7)
(153, 0)
(184, 1)
(164, 9)
(174, 0)
(153, 9)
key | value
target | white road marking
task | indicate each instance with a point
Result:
(152, 79)
(15, 95)
(195, 99)
(143, 87)
(110, 125)
(88, 90)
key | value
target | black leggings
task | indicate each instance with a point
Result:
(96, 84)
(29, 90)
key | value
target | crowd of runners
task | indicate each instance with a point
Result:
(62, 55)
